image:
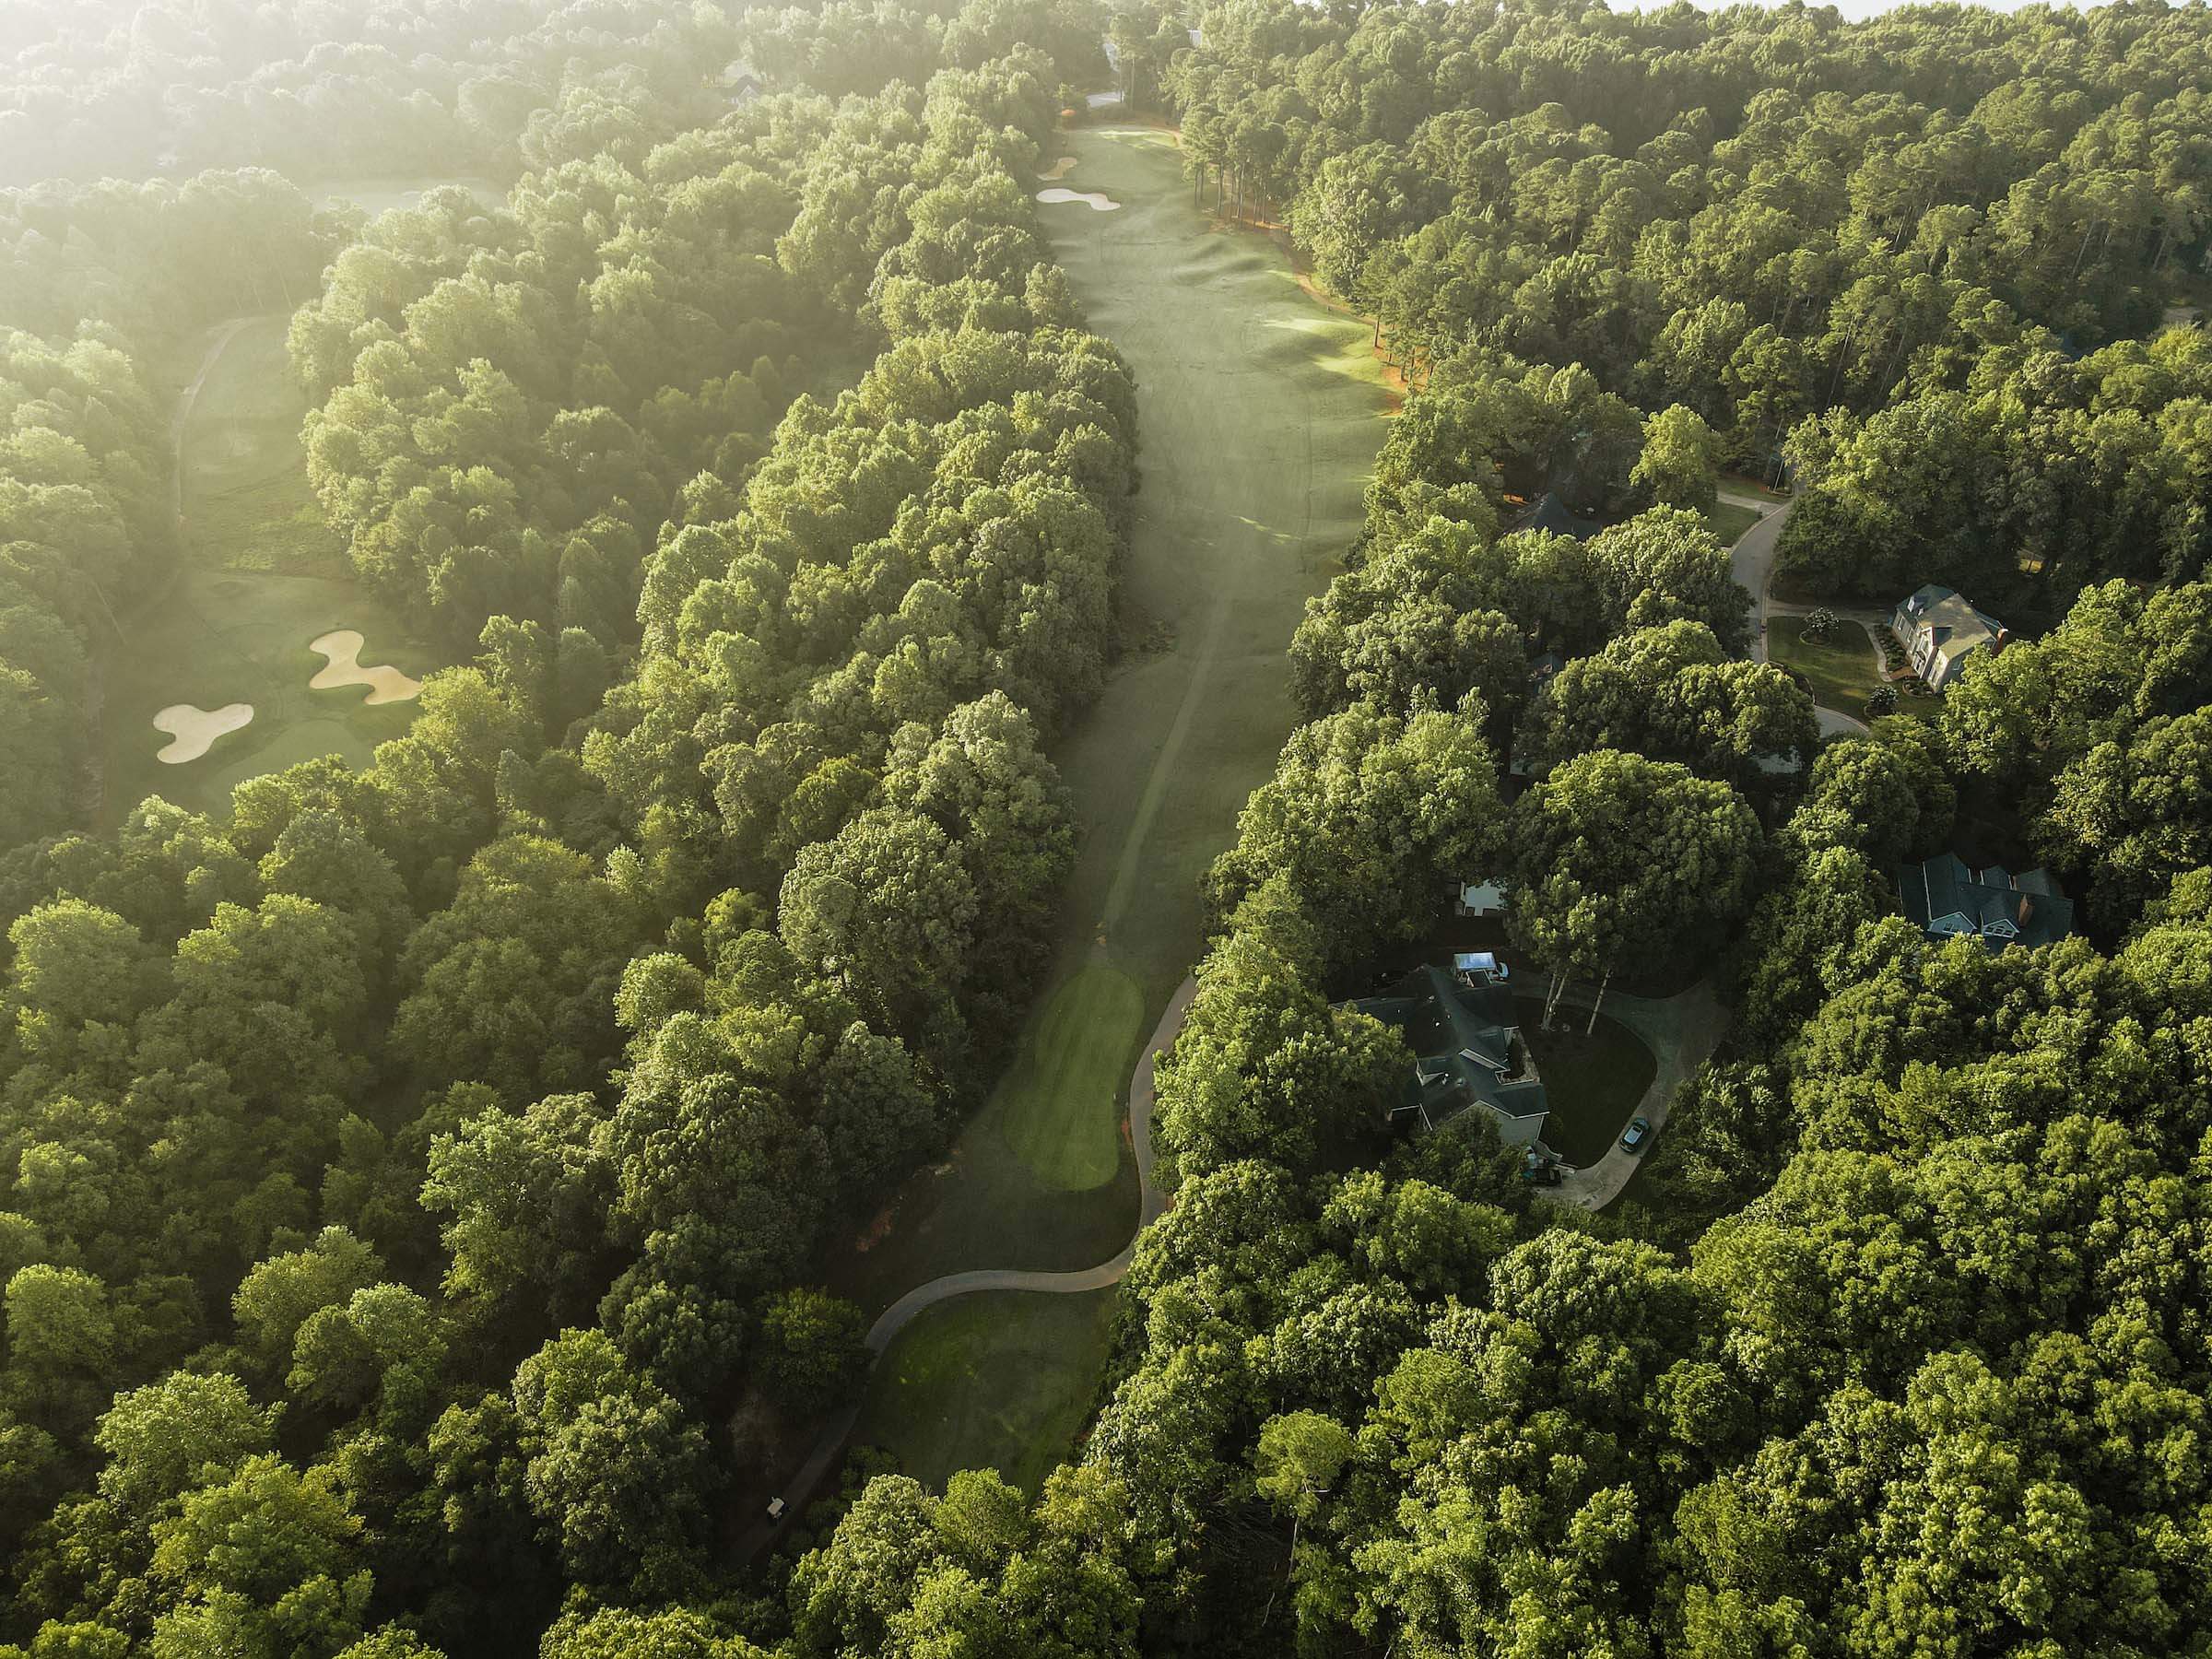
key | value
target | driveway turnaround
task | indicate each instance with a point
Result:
(1681, 1031)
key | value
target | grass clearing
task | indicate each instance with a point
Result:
(1001, 1379)
(1260, 411)
(1841, 667)
(1592, 1083)
(262, 578)
(379, 195)
(1729, 520)
(1057, 1104)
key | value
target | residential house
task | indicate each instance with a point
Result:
(1485, 897)
(1940, 631)
(1459, 1021)
(1947, 899)
(738, 83)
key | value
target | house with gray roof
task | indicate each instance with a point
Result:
(1940, 631)
(1459, 1021)
(739, 83)
(1947, 899)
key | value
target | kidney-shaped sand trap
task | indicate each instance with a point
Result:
(1100, 201)
(1059, 169)
(343, 668)
(192, 730)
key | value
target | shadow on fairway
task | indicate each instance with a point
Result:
(1260, 412)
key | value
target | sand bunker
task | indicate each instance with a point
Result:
(1100, 201)
(344, 649)
(192, 730)
(1059, 169)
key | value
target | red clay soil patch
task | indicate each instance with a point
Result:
(875, 1231)
(1394, 375)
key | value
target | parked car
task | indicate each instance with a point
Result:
(1638, 1135)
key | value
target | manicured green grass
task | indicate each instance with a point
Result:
(1729, 520)
(1744, 485)
(1841, 667)
(217, 638)
(999, 1381)
(1590, 1083)
(262, 576)
(1260, 412)
(1056, 1106)
(247, 505)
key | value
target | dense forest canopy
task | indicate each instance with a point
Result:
(415, 1177)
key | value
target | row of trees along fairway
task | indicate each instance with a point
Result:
(409, 1178)
(407, 1183)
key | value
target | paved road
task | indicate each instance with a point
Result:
(218, 340)
(1681, 1031)
(799, 1489)
(1752, 562)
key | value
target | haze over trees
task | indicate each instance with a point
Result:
(414, 1179)
(475, 1116)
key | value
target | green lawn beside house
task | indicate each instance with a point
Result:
(1729, 520)
(1592, 1081)
(1842, 668)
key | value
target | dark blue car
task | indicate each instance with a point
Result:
(1638, 1134)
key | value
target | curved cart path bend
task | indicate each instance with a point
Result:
(799, 1490)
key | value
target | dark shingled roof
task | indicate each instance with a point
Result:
(1946, 898)
(1466, 1040)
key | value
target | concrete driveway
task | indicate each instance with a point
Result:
(1752, 562)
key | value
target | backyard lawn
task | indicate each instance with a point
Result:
(1841, 667)
(1001, 1379)
(1592, 1084)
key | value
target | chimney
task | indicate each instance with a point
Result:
(1998, 644)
